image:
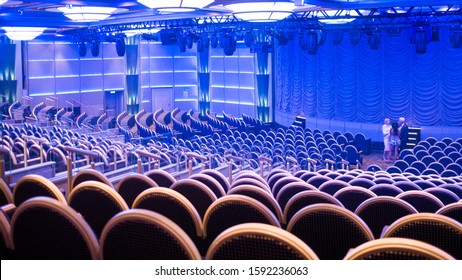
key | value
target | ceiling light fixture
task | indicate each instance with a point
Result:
(176, 6)
(87, 14)
(262, 11)
(337, 21)
(23, 33)
(133, 32)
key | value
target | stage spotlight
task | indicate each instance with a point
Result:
(205, 41)
(435, 35)
(229, 44)
(248, 39)
(189, 42)
(182, 43)
(456, 40)
(200, 45)
(94, 48)
(355, 37)
(420, 36)
(120, 46)
(337, 37)
(82, 49)
(456, 36)
(374, 41)
(309, 41)
(214, 41)
(420, 41)
(283, 39)
(322, 36)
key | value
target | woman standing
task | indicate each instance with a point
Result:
(394, 140)
(386, 139)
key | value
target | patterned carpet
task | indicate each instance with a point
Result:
(376, 157)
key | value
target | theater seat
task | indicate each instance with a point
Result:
(252, 241)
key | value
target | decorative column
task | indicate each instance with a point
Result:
(263, 87)
(204, 78)
(132, 75)
(8, 82)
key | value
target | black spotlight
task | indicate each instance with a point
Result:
(120, 46)
(323, 36)
(189, 42)
(229, 44)
(182, 43)
(248, 39)
(337, 37)
(435, 34)
(456, 39)
(355, 37)
(283, 39)
(206, 41)
(374, 41)
(420, 41)
(214, 41)
(421, 36)
(82, 49)
(95, 48)
(200, 45)
(309, 42)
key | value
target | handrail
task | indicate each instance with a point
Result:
(292, 160)
(235, 158)
(263, 159)
(29, 137)
(266, 159)
(75, 140)
(331, 162)
(313, 162)
(81, 152)
(150, 156)
(196, 155)
(39, 140)
(3, 151)
(74, 151)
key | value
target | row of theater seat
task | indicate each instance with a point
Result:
(205, 206)
(431, 157)
(54, 142)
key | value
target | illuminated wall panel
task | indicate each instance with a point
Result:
(233, 82)
(56, 69)
(164, 66)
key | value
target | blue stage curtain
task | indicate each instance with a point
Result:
(354, 83)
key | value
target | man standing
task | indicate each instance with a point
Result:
(403, 133)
